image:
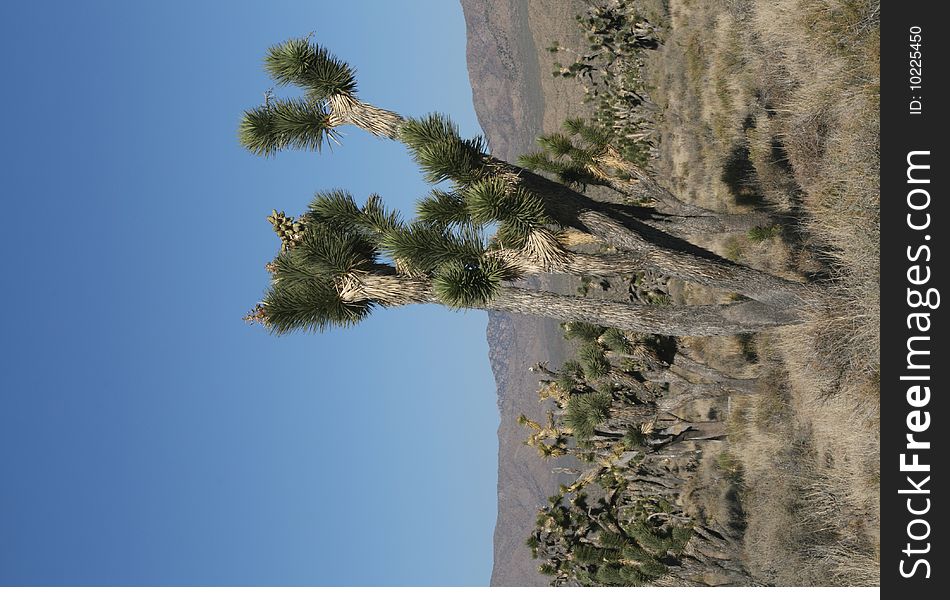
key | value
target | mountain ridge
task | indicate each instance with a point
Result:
(514, 104)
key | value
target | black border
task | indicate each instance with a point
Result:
(901, 133)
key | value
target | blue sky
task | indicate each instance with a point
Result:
(147, 435)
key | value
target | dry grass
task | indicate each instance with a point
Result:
(810, 471)
(773, 105)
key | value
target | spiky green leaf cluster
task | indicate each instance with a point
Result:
(570, 155)
(588, 554)
(634, 438)
(578, 330)
(303, 293)
(586, 411)
(491, 200)
(594, 361)
(540, 162)
(312, 306)
(518, 212)
(570, 376)
(265, 130)
(426, 248)
(596, 138)
(438, 148)
(300, 62)
(557, 144)
(616, 340)
(333, 252)
(471, 284)
(443, 209)
(337, 209)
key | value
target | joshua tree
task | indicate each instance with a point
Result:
(586, 542)
(549, 440)
(633, 531)
(434, 142)
(331, 273)
(584, 154)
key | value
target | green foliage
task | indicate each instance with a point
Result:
(612, 539)
(265, 130)
(540, 162)
(337, 209)
(332, 252)
(595, 137)
(570, 376)
(310, 66)
(681, 536)
(436, 146)
(311, 306)
(443, 209)
(585, 411)
(519, 212)
(595, 363)
(633, 552)
(576, 156)
(588, 554)
(760, 234)
(572, 166)
(611, 66)
(578, 330)
(651, 569)
(623, 536)
(658, 298)
(647, 538)
(616, 340)
(462, 284)
(634, 438)
(612, 575)
(557, 145)
(426, 248)
(488, 200)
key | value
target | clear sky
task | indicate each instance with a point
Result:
(147, 435)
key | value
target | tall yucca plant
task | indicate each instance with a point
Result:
(334, 274)
(444, 155)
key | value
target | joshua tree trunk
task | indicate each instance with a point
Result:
(695, 265)
(726, 382)
(345, 109)
(698, 224)
(704, 320)
(711, 558)
(673, 215)
(699, 320)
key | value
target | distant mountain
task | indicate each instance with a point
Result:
(503, 69)
(524, 480)
(515, 99)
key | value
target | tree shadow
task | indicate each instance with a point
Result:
(738, 173)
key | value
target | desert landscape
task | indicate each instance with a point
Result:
(759, 108)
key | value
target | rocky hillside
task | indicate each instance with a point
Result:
(516, 99)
